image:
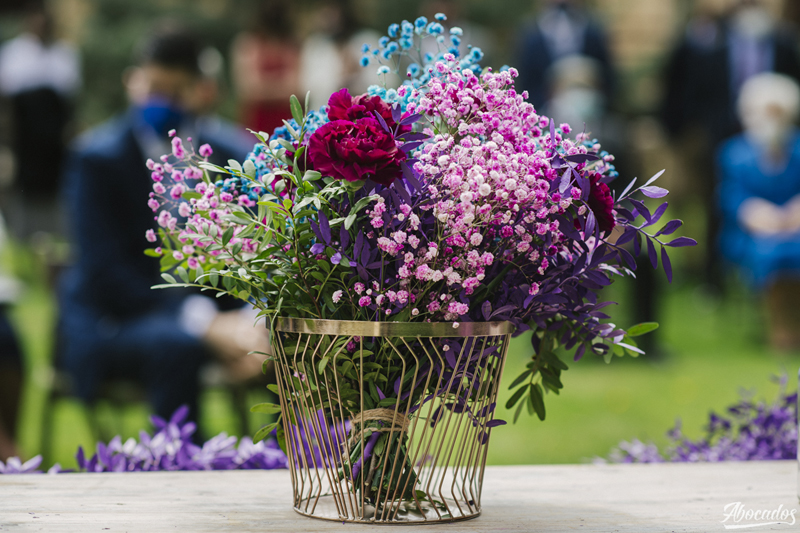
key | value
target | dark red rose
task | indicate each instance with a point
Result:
(342, 106)
(355, 150)
(601, 203)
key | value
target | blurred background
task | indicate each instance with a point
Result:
(659, 82)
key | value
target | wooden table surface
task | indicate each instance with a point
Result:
(636, 498)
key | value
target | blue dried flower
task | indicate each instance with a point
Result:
(456, 40)
(393, 29)
(421, 22)
(364, 48)
(383, 69)
(434, 28)
(440, 17)
(455, 30)
(405, 44)
(365, 61)
(383, 41)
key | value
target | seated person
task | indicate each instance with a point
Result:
(759, 196)
(112, 324)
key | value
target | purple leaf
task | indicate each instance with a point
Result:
(552, 132)
(413, 136)
(486, 310)
(637, 244)
(682, 241)
(628, 188)
(344, 237)
(579, 352)
(658, 213)
(382, 122)
(655, 177)
(495, 423)
(591, 223)
(670, 227)
(652, 191)
(566, 179)
(407, 147)
(651, 252)
(582, 158)
(641, 209)
(627, 236)
(397, 112)
(359, 243)
(410, 119)
(665, 263)
(324, 227)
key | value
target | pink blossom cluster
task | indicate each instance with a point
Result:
(488, 170)
(204, 211)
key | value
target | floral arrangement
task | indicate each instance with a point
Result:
(444, 199)
(169, 448)
(750, 431)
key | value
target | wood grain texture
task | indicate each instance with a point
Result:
(635, 498)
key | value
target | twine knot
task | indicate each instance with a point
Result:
(393, 421)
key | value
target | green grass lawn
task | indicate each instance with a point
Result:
(710, 351)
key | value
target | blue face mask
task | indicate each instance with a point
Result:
(161, 115)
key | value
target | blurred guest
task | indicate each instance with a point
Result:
(266, 67)
(40, 75)
(717, 54)
(759, 196)
(11, 368)
(330, 55)
(112, 324)
(563, 28)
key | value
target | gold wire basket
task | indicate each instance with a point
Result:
(388, 422)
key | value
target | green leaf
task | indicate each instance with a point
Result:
(537, 401)
(151, 252)
(168, 278)
(641, 329)
(234, 164)
(182, 274)
(516, 396)
(264, 432)
(214, 277)
(274, 388)
(227, 236)
(312, 175)
(520, 379)
(281, 437)
(249, 169)
(266, 408)
(345, 262)
(297, 111)
(349, 221)
(322, 364)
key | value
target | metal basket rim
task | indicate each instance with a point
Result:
(364, 328)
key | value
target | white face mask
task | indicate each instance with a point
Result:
(754, 22)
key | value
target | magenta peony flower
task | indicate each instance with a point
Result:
(342, 106)
(355, 151)
(601, 203)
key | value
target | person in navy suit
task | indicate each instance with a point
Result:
(563, 29)
(111, 322)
